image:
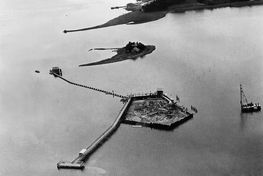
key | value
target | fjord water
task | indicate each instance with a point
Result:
(200, 56)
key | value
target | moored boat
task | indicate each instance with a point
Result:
(245, 106)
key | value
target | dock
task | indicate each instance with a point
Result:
(155, 110)
(79, 161)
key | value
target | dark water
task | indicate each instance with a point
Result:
(200, 56)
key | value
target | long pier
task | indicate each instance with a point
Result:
(78, 162)
(92, 88)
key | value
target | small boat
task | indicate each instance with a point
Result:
(245, 106)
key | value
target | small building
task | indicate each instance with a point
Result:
(82, 152)
(56, 71)
(159, 92)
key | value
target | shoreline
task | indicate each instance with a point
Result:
(200, 6)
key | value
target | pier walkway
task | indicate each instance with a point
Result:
(92, 88)
(79, 162)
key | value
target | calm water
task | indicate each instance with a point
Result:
(200, 56)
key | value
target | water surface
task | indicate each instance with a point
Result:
(201, 56)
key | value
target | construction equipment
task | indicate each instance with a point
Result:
(245, 106)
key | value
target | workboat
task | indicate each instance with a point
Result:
(245, 106)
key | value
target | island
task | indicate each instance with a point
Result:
(132, 51)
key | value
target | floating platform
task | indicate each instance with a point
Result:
(156, 111)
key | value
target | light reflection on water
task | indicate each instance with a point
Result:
(201, 56)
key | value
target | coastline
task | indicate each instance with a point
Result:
(200, 6)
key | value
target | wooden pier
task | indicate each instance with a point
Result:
(87, 87)
(78, 162)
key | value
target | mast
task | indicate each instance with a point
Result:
(243, 97)
(241, 91)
